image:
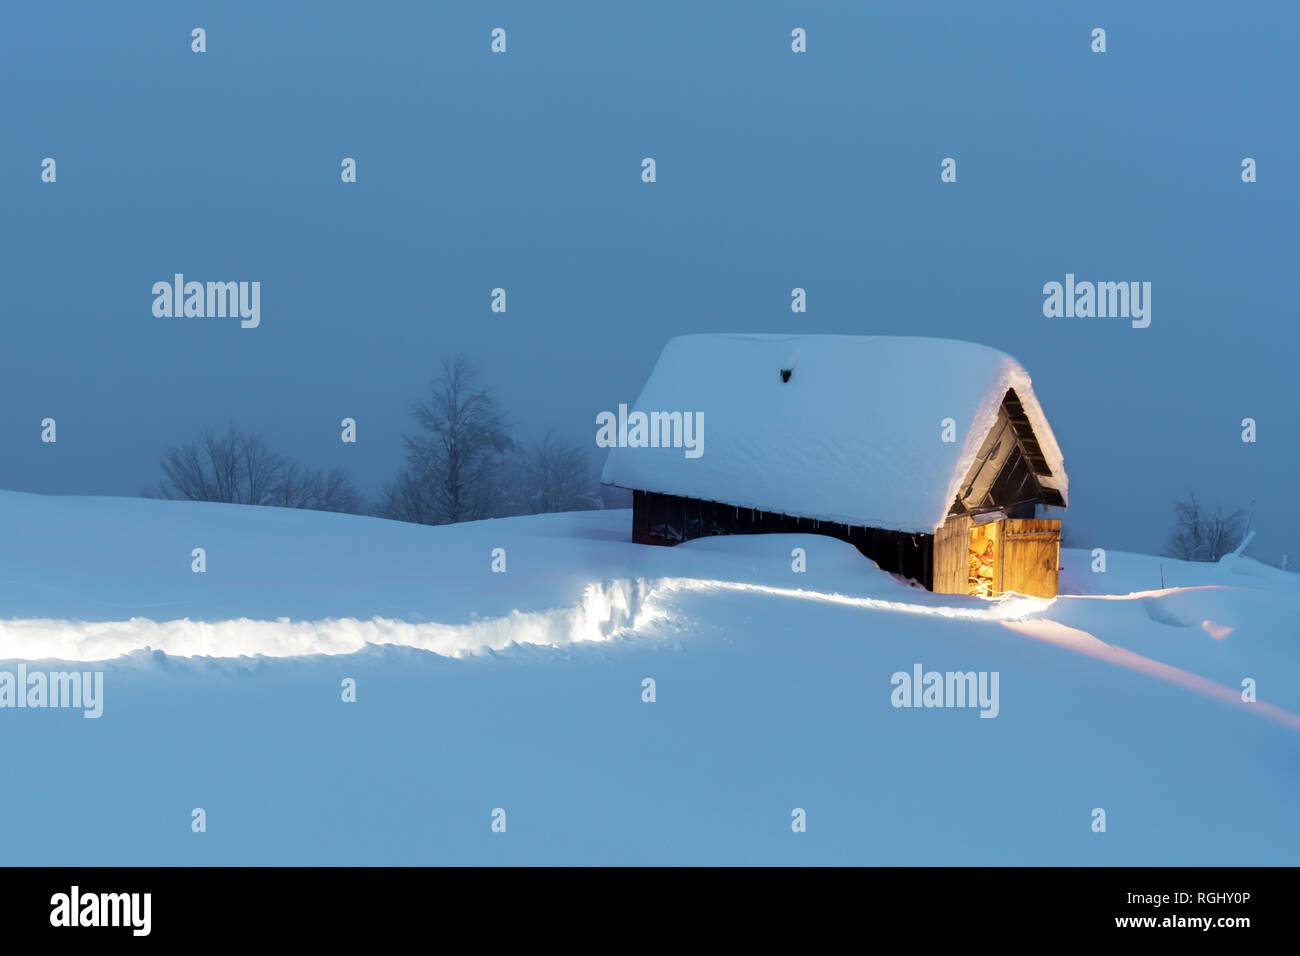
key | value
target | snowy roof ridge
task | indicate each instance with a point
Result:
(852, 437)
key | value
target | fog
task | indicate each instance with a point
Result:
(522, 171)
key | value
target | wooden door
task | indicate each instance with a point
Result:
(951, 543)
(1029, 556)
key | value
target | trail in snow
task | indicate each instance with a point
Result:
(618, 607)
(607, 609)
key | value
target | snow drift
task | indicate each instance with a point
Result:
(527, 690)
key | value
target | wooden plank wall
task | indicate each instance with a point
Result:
(951, 555)
(1028, 556)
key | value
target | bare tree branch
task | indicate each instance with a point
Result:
(241, 468)
(1201, 535)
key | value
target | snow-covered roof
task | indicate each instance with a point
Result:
(853, 437)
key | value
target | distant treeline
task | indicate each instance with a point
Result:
(462, 464)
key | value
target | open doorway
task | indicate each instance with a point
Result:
(982, 560)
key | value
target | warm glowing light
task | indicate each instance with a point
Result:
(1216, 631)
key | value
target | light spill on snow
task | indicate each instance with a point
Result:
(1012, 608)
(608, 609)
(1081, 642)
(615, 608)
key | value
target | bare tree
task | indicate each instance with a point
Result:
(1201, 535)
(1185, 538)
(456, 459)
(551, 476)
(231, 467)
(240, 468)
(316, 490)
(1224, 532)
(404, 500)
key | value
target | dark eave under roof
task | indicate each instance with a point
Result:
(1007, 476)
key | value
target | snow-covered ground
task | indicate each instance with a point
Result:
(522, 690)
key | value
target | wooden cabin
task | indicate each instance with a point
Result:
(932, 457)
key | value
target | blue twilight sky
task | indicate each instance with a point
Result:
(522, 170)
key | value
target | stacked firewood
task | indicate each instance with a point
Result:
(980, 579)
